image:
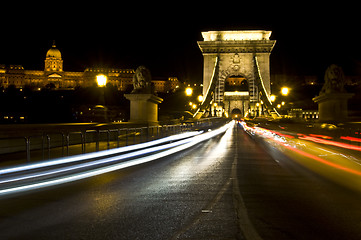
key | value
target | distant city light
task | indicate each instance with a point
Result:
(101, 80)
(200, 98)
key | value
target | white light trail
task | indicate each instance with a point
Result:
(178, 146)
(96, 162)
(87, 156)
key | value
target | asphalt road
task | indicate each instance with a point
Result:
(230, 187)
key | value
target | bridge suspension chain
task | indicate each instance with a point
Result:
(209, 94)
(266, 100)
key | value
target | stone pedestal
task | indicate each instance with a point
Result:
(333, 106)
(143, 108)
(100, 113)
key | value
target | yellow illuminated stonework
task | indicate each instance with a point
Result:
(53, 60)
(241, 60)
(236, 35)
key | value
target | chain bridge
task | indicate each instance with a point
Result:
(236, 74)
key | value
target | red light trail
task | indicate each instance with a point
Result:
(280, 138)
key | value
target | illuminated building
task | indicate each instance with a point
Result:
(53, 76)
(53, 60)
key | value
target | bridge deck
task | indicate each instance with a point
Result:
(195, 194)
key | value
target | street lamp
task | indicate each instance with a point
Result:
(101, 80)
(273, 98)
(189, 91)
(285, 91)
(101, 111)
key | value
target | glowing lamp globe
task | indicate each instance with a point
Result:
(285, 91)
(101, 80)
(189, 91)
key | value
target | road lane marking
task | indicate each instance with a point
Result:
(245, 224)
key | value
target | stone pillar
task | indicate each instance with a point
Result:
(332, 101)
(143, 108)
(333, 106)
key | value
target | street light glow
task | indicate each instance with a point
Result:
(273, 98)
(101, 80)
(285, 91)
(189, 91)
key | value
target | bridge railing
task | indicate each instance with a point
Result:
(43, 145)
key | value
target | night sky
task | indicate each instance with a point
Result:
(164, 38)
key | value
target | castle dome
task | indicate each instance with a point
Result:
(53, 52)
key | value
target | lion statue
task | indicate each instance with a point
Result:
(334, 80)
(142, 81)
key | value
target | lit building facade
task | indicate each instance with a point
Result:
(53, 76)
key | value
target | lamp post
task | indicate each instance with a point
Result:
(284, 92)
(102, 82)
(101, 110)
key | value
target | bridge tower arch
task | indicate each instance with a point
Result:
(241, 59)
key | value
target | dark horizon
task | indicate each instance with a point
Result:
(166, 42)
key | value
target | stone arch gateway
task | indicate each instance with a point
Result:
(236, 54)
